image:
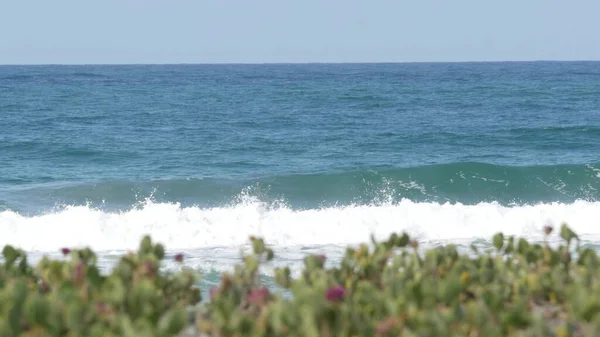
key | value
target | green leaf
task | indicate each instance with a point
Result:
(498, 241)
(146, 245)
(450, 290)
(523, 246)
(510, 245)
(114, 290)
(10, 255)
(403, 240)
(126, 326)
(159, 251)
(93, 275)
(74, 316)
(567, 234)
(37, 310)
(258, 246)
(172, 322)
(270, 254)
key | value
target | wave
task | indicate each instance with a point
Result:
(43, 73)
(191, 228)
(467, 183)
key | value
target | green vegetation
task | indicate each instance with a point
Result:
(386, 288)
(72, 298)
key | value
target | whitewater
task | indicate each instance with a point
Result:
(189, 228)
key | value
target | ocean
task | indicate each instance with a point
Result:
(311, 157)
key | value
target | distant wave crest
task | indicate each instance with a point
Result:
(467, 183)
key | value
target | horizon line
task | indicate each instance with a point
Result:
(297, 63)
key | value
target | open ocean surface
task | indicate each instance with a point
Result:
(311, 157)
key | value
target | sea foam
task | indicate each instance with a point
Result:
(189, 228)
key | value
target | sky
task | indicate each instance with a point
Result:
(300, 31)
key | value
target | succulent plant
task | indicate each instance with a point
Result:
(70, 297)
(389, 288)
(386, 288)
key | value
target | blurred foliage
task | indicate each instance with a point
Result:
(386, 288)
(391, 288)
(70, 297)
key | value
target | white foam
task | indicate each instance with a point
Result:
(189, 228)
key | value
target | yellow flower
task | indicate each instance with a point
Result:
(464, 277)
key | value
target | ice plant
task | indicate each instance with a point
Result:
(335, 294)
(321, 257)
(44, 286)
(102, 308)
(214, 293)
(148, 268)
(259, 296)
(385, 326)
(72, 297)
(179, 257)
(79, 272)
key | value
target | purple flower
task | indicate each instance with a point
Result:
(259, 296)
(179, 257)
(65, 251)
(335, 294)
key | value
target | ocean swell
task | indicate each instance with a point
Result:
(466, 183)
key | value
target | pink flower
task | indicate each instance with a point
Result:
(179, 257)
(335, 294)
(44, 286)
(102, 308)
(214, 293)
(259, 296)
(79, 272)
(385, 326)
(65, 251)
(148, 268)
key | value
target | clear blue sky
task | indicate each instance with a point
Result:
(257, 31)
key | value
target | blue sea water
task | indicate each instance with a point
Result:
(311, 157)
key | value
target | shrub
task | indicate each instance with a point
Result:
(389, 288)
(70, 297)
